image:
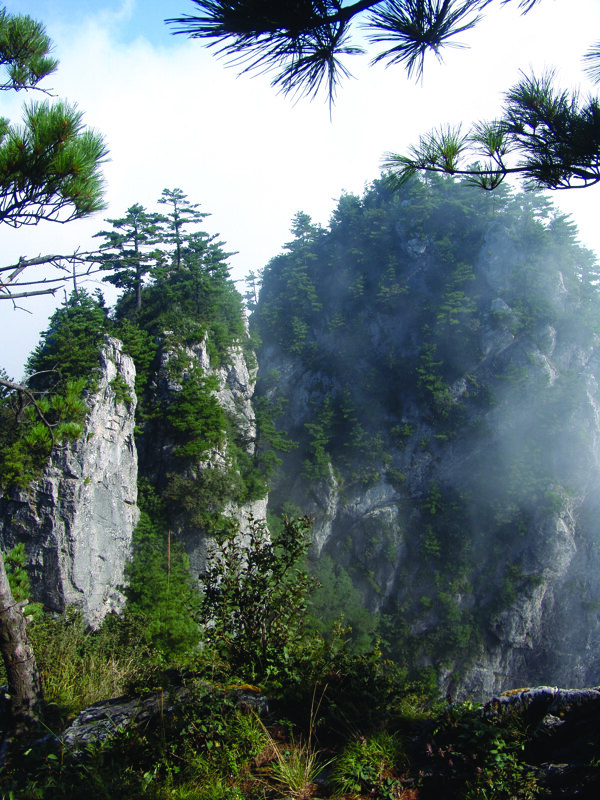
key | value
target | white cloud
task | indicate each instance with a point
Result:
(174, 116)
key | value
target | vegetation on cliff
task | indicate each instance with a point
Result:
(433, 349)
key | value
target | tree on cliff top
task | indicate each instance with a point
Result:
(49, 169)
(130, 249)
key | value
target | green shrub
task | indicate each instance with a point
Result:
(366, 762)
(254, 597)
(160, 590)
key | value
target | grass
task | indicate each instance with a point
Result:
(295, 769)
(79, 667)
(296, 766)
(366, 762)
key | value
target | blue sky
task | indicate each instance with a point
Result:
(137, 18)
(174, 116)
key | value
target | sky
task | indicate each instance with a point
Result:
(173, 115)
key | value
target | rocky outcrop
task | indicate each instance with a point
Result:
(538, 742)
(532, 594)
(234, 387)
(108, 718)
(77, 521)
(444, 392)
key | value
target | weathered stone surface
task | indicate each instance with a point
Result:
(77, 520)
(532, 583)
(109, 717)
(547, 735)
(235, 388)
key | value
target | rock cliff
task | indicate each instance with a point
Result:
(206, 484)
(76, 521)
(438, 360)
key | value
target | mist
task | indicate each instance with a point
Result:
(437, 355)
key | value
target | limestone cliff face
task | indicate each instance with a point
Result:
(234, 384)
(532, 583)
(445, 397)
(77, 520)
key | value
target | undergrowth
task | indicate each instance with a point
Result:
(256, 711)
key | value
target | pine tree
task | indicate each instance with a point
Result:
(182, 213)
(49, 169)
(160, 586)
(130, 249)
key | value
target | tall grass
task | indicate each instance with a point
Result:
(296, 765)
(79, 666)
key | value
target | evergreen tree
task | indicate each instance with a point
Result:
(49, 169)
(70, 348)
(181, 214)
(161, 589)
(130, 249)
(253, 282)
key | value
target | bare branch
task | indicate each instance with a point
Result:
(65, 263)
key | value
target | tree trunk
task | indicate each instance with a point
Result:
(24, 684)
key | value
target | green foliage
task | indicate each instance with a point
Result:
(179, 297)
(269, 440)
(181, 213)
(24, 49)
(195, 416)
(160, 589)
(366, 765)
(486, 753)
(30, 426)
(121, 390)
(293, 302)
(49, 166)
(543, 134)
(318, 463)
(129, 250)
(80, 666)
(254, 597)
(336, 599)
(18, 578)
(200, 500)
(433, 387)
(140, 345)
(70, 348)
(204, 748)
(189, 292)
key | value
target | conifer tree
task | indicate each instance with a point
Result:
(161, 589)
(130, 249)
(182, 213)
(49, 169)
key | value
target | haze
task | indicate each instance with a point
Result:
(174, 116)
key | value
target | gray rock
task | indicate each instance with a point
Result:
(77, 520)
(107, 718)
